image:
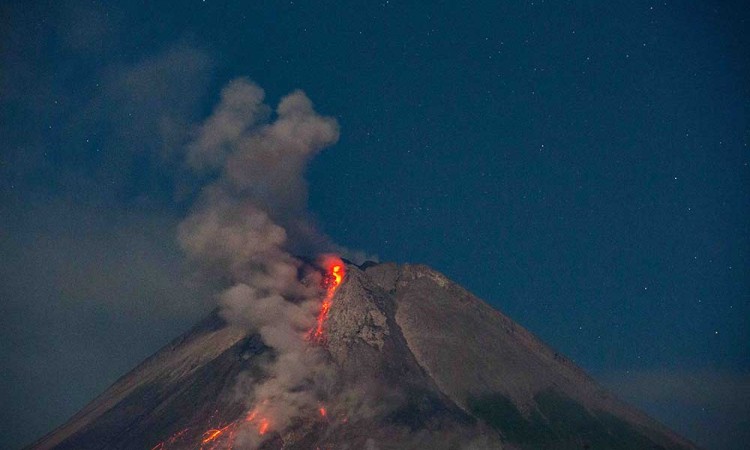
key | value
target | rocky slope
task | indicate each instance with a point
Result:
(417, 362)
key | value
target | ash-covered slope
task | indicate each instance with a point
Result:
(417, 361)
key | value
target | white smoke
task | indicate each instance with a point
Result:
(240, 232)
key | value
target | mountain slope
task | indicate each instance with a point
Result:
(416, 361)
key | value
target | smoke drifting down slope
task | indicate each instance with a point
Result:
(321, 353)
(242, 232)
(414, 360)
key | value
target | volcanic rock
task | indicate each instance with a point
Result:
(419, 362)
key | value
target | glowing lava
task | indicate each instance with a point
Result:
(335, 271)
(211, 435)
(223, 437)
(263, 426)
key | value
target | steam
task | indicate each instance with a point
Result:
(249, 218)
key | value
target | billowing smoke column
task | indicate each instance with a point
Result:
(241, 232)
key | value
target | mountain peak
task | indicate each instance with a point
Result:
(413, 361)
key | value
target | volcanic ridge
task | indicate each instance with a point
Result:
(413, 361)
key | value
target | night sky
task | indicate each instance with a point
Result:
(582, 166)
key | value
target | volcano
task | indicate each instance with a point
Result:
(419, 363)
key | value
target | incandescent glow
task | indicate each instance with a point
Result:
(263, 426)
(335, 271)
(223, 437)
(210, 435)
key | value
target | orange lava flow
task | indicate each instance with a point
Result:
(224, 437)
(210, 435)
(263, 426)
(333, 278)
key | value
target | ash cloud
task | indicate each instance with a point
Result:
(263, 162)
(252, 215)
(250, 219)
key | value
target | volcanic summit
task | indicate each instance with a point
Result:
(412, 361)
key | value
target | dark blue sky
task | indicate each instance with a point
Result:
(582, 166)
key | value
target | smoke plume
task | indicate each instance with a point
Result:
(251, 217)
